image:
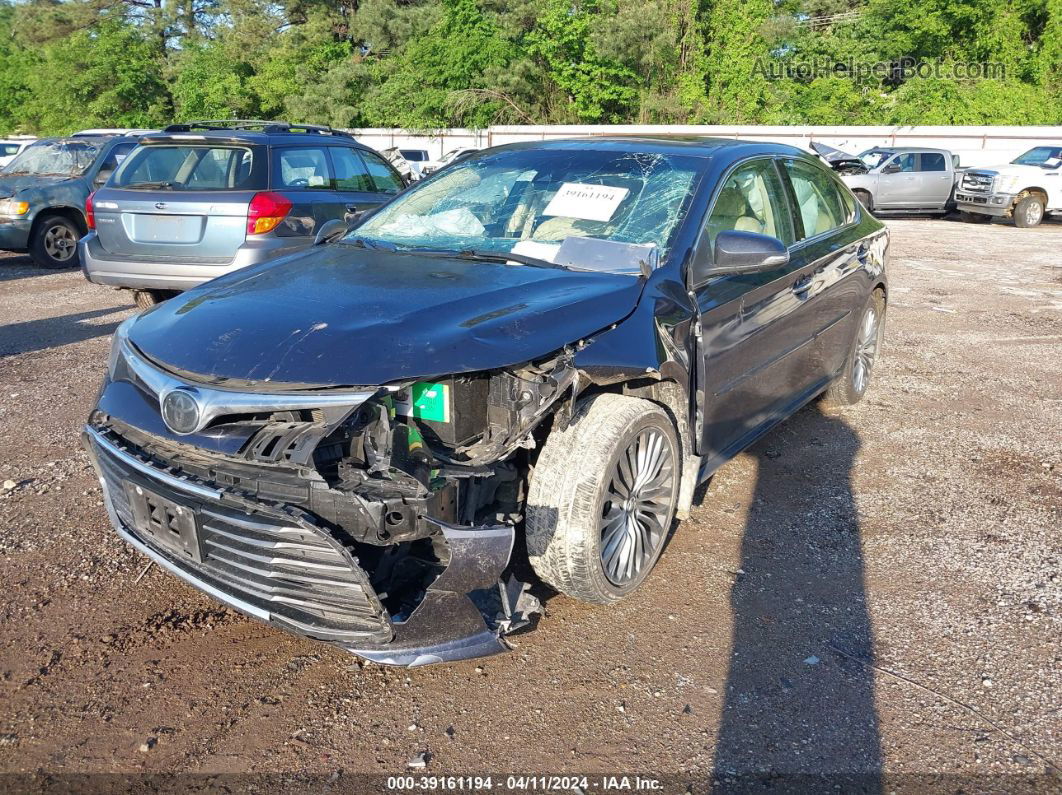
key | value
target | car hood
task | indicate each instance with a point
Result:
(341, 316)
(10, 185)
(1010, 170)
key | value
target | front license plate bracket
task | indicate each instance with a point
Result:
(171, 525)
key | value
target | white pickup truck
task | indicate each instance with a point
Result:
(1026, 189)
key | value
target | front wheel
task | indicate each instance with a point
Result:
(852, 384)
(54, 243)
(1029, 211)
(602, 497)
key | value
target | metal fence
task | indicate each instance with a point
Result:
(976, 146)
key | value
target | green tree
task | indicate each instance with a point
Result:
(418, 85)
(597, 88)
(738, 91)
(108, 76)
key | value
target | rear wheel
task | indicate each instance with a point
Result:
(145, 299)
(1029, 211)
(852, 384)
(54, 243)
(602, 498)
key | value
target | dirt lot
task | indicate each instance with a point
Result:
(874, 593)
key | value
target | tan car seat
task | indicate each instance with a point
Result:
(732, 212)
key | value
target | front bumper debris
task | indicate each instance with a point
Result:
(276, 564)
(14, 233)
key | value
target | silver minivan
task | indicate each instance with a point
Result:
(201, 199)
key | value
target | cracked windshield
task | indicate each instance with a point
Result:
(582, 210)
(62, 158)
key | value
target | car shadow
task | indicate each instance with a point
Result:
(799, 708)
(52, 332)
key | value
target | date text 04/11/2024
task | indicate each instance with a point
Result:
(524, 783)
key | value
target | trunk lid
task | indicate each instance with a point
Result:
(194, 225)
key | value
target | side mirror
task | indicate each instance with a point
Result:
(740, 252)
(101, 177)
(891, 168)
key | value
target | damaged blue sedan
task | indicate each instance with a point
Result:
(546, 346)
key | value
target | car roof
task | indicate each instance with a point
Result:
(259, 137)
(899, 149)
(698, 146)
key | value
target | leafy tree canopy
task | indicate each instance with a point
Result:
(426, 64)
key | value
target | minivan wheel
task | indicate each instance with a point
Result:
(1029, 211)
(145, 299)
(852, 384)
(602, 497)
(54, 243)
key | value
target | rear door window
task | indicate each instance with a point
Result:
(385, 179)
(304, 167)
(186, 167)
(932, 161)
(351, 173)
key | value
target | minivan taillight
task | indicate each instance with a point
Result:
(90, 214)
(265, 212)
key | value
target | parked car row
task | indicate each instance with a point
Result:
(923, 180)
(161, 211)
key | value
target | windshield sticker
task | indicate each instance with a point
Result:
(586, 202)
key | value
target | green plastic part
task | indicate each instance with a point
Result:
(431, 402)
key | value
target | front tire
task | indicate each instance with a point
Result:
(602, 498)
(54, 243)
(852, 384)
(1029, 211)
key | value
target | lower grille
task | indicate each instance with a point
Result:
(302, 577)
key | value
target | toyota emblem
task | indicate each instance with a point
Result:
(180, 410)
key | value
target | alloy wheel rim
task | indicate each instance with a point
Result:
(866, 351)
(1033, 213)
(637, 508)
(59, 242)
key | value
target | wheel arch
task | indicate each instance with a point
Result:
(63, 211)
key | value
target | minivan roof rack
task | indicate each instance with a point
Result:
(257, 125)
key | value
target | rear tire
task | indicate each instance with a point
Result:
(54, 243)
(145, 299)
(1029, 211)
(852, 384)
(602, 498)
(975, 218)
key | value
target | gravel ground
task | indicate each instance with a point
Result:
(873, 593)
